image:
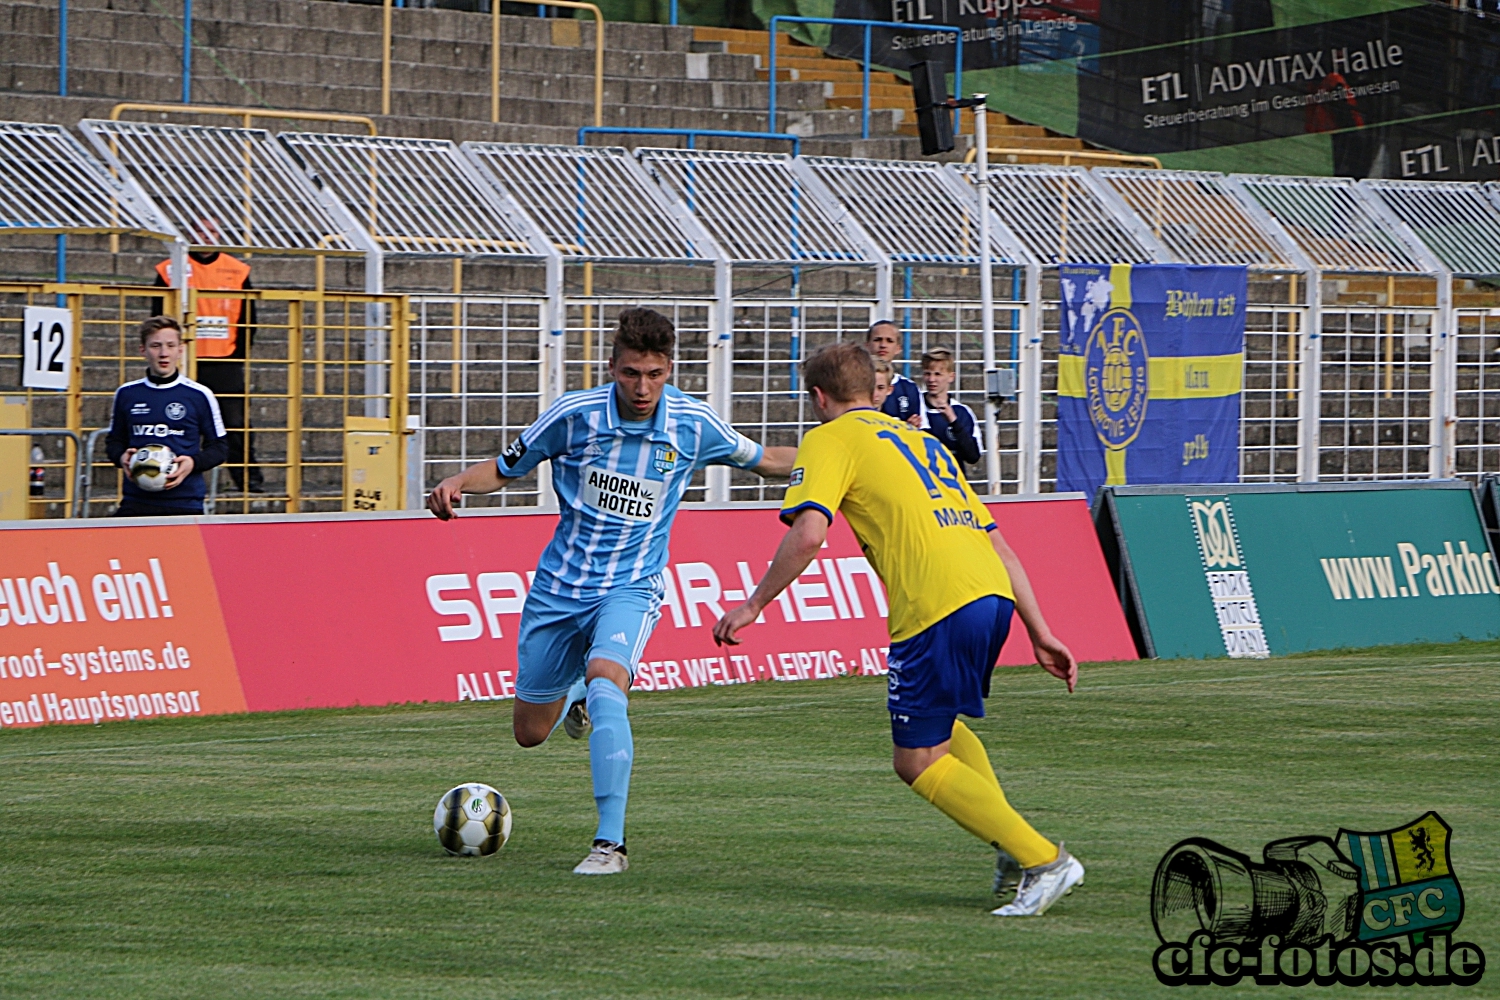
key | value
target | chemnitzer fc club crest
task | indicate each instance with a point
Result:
(1115, 380)
(1376, 908)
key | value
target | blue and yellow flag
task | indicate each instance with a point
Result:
(1149, 374)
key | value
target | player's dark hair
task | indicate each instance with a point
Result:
(158, 323)
(879, 322)
(645, 331)
(937, 356)
(844, 371)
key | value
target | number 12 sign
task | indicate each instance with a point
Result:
(47, 361)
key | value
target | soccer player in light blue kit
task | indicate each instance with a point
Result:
(622, 456)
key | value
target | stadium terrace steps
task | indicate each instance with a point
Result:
(304, 55)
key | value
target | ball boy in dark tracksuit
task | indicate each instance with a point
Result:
(949, 421)
(903, 400)
(166, 407)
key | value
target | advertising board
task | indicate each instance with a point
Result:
(130, 620)
(1251, 571)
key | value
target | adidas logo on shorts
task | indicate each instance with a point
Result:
(618, 637)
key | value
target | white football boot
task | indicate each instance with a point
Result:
(576, 720)
(1007, 872)
(1043, 885)
(606, 858)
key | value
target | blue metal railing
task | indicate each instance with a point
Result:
(692, 134)
(62, 91)
(674, 12)
(958, 57)
(187, 51)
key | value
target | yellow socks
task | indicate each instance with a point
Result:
(975, 802)
(967, 748)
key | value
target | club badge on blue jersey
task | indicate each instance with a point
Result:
(663, 460)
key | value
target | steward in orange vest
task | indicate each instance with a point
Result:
(218, 319)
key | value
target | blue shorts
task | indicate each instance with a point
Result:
(943, 672)
(560, 635)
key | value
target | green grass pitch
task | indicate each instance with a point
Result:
(773, 852)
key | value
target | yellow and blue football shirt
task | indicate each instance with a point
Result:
(920, 525)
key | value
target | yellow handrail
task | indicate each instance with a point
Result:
(248, 114)
(385, 59)
(1123, 159)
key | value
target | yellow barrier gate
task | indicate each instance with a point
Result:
(318, 365)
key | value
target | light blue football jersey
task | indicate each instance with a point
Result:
(618, 486)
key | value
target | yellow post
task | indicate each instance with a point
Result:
(385, 58)
(15, 460)
(495, 53)
(458, 341)
(319, 285)
(294, 336)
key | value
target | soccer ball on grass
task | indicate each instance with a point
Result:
(151, 466)
(472, 820)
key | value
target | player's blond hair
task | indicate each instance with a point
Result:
(844, 371)
(883, 367)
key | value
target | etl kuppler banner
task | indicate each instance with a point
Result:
(1149, 372)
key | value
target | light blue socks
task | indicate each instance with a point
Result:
(611, 752)
(575, 693)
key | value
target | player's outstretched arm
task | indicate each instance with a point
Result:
(482, 477)
(777, 462)
(1054, 657)
(793, 555)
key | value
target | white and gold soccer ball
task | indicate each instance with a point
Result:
(150, 466)
(472, 820)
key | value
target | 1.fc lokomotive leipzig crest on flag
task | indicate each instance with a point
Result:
(1149, 371)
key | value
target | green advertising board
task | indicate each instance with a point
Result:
(1252, 571)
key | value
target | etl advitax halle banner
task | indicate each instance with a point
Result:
(1149, 372)
(1359, 88)
(1250, 571)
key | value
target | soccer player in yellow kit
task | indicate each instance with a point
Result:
(953, 583)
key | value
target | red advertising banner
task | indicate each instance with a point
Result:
(324, 611)
(99, 624)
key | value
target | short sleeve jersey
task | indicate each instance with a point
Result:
(919, 523)
(618, 485)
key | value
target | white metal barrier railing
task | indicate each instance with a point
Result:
(476, 382)
(1376, 393)
(1341, 382)
(1477, 392)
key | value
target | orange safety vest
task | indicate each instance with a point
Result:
(218, 319)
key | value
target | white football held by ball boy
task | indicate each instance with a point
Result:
(151, 466)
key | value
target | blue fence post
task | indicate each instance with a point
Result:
(864, 132)
(187, 51)
(62, 49)
(674, 11)
(62, 91)
(771, 37)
